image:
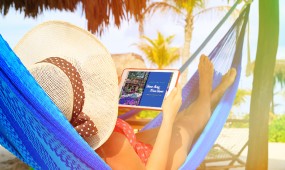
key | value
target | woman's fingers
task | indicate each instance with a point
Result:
(179, 90)
(178, 96)
(175, 96)
(172, 93)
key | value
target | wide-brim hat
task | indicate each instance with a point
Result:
(92, 61)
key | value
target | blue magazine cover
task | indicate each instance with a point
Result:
(145, 89)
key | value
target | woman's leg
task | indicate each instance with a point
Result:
(205, 68)
(227, 81)
(194, 117)
(205, 65)
(217, 94)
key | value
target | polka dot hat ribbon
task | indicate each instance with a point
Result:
(80, 121)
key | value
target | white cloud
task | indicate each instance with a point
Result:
(14, 25)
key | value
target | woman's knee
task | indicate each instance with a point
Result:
(186, 127)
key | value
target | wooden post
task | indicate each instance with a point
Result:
(262, 84)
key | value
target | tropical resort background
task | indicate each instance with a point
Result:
(164, 37)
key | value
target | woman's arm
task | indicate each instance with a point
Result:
(119, 154)
(159, 154)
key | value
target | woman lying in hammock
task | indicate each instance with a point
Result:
(80, 78)
(167, 146)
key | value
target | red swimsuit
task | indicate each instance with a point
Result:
(143, 150)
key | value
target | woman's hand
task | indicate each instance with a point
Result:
(171, 104)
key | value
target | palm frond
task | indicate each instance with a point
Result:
(240, 96)
(150, 41)
(175, 54)
(159, 51)
(188, 5)
(217, 10)
(279, 72)
(162, 6)
(170, 39)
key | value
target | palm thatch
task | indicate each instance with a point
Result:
(127, 60)
(123, 61)
(99, 13)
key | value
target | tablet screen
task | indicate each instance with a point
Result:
(146, 89)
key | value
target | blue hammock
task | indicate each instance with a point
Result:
(33, 129)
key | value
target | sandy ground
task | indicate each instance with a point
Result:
(234, 139)
(10, 162)
(276, 154)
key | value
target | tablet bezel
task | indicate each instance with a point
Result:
(173, 83)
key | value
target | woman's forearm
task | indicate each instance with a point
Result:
(159, 154)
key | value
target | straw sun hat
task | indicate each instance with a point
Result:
(77, 72)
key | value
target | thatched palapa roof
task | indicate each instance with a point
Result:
(99, 13)
(127, 60)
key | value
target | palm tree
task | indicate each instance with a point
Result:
(185, 9)
(268, 34)
(279, 75)
(158, 50)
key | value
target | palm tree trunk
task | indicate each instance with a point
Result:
(257, 157)
(186, 48)
(272, 101)
(248, 70)
(141, 27)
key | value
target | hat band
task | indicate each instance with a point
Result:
(80, 121)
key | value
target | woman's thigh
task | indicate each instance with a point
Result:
(149, 136)
(181, 141)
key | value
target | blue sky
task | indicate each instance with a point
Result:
(14, 25)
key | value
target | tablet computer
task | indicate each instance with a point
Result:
(146, 88)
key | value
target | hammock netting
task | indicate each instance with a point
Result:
(34, 130)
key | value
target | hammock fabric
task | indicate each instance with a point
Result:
(225, 55)
(33, 129)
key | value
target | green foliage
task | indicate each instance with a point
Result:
(189, 5)
(240, 96)
(136, 74)
(159, 51)
(277, 130)
(148, 114)
(279, 72)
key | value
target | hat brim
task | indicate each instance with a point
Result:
(61, 39)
